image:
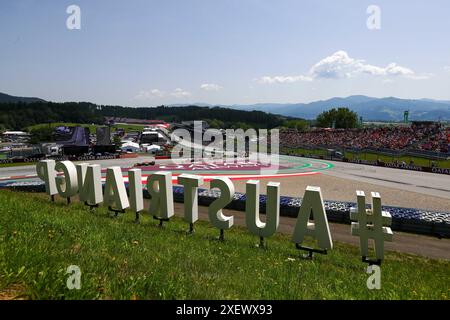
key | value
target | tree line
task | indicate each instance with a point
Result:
(17, 116)
(20, 115)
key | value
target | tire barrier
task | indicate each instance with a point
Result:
(410, 220)
(25, 186)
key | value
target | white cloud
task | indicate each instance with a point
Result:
(150, 94)
(158, 94)
(447, 68)
(283, 79)
(340, 65)
(180, 93)
(210, 87)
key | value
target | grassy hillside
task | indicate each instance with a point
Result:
(121, 260)
(6, 98)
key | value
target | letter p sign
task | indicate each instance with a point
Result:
(74, 20)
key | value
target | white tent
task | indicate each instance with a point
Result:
(15, 133)
(130, 146)
(153, 148)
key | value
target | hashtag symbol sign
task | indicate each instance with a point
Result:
(371, 224)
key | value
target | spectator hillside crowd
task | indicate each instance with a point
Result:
(418, 136)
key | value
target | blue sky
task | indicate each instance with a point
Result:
(147, 53)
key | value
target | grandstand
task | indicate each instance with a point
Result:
(419, 136)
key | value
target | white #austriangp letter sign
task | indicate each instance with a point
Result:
(253, 222)
(45, 170)
(135, 189)
(81, 174)
(66, 184)
(87, 180)
(159, 186)
(91, 186)
(115, 192)
(190, 183)
(216, 216)
(319, 229)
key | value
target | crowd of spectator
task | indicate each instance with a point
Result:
(418, 136)
(439, 142)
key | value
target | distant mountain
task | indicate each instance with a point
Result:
(198, 104)
(440, 101)
(381, 109)
(6, 98)
(373, 109)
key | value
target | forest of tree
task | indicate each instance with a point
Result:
(17, 116)
(341, 118)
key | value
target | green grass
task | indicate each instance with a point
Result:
(92, 127)
(370, 156)
(306, 152)
(16, 164)
(121, 260)
(418, 161)
(128, 127)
